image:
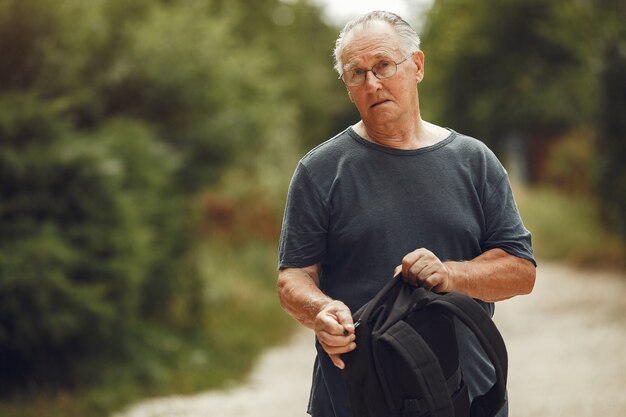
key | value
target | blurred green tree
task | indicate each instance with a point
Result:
(499, 66)
(76, 239)
(612, 108)
(536, 69)
(301, 45)
(114, 116)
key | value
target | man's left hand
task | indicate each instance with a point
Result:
(422, 267)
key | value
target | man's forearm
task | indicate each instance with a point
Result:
(493, 276)
(299, 294)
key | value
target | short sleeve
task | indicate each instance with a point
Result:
(305, 223)
(504, 228)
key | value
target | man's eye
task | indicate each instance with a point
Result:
(383, 64)
(358, 72)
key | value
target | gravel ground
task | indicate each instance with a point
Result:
(567, 358)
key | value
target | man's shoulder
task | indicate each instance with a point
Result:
(469, 147)
(475, 156)
(470, 143)
(329, 151)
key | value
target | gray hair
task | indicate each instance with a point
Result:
(409, 39)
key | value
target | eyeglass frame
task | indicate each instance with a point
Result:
(373, 72)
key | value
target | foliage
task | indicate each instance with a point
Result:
(612, 126)
(126, 128)
(537, 69)
(77, 239)
(303, 46)
(499, 66)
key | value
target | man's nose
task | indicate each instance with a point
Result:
(371, 80)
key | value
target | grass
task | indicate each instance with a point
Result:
(245, 315)
(243, 318)
(567, 228)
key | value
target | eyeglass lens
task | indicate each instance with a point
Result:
(383, 69)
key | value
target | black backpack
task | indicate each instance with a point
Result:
(406, 363)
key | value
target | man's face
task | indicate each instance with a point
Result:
(388, 100)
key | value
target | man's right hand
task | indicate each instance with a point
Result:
(334, 329)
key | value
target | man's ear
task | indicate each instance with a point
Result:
(418, 59)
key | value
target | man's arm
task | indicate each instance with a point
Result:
(301, 297)
(493, 276)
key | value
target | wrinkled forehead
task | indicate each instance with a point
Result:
(375, 40)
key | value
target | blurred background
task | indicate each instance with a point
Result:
(146, 147)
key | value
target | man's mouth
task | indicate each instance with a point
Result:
(378, 103)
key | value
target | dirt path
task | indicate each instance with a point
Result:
(567, 357)
(567, 345)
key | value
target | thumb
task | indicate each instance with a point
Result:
(397, 270)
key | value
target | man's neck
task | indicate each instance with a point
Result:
(419, 134)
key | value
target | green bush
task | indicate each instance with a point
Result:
(80, 229)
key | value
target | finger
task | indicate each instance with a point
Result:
(430, 282)
(335, 318)
(440, 287)
(418, 272)
(425, 266)
(408, 261)
(328, 323)
(337, 361)
(335, 356)
(417, 256)
(418, 269)
(434, 274)
(439, 281)
(336, 350)
(427, 269)
(344, 317)
(335, 341)
(397, 270)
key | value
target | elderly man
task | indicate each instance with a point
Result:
(392, 193)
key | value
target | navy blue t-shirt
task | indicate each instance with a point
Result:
(358, 208)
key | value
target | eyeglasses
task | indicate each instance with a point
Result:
(381, 70)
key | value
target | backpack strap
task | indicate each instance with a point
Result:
(409, 344)
(477, 319)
